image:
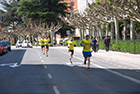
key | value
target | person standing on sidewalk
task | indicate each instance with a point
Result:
(87, 44)
(94, 44)
(42, 45)
(47, 40)
(97, 44)
(71, 44)
(106, 43)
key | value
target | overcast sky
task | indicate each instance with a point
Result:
(1, 5)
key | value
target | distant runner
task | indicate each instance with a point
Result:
(47, 40)
(71, 44)
(87, 44)
(42, 45)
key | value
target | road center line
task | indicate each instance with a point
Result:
(119, 74)
(56, 90)
(111, 71)
(137, 71)
(49, 75)
(45, 66)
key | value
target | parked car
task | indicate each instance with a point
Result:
(8, 45)
(19, 44)
(61, 42)
(3, 48)
(26, 44)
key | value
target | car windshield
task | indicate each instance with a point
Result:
(20, 42)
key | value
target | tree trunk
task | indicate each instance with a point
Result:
(117, 34)
(100, 32)
(90, 35)
(131, 30)
(97, 31)
(112, 31)
(94, 30)
(33, 39)
(29, 38)
(52, 35)
(81, 34)
(125, 30)
(106, 29)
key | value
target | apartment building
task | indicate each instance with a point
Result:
(72, 3)
(78, 6)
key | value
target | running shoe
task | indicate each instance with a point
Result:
(70, 61)
(88, 69)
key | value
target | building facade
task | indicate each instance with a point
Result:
(78, 6)
(72, 3)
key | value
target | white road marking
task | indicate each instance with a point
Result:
(56, 90)
(45, 66)
(7, 64)
(49, 75)
(13, 65)
(111, 71)
(137, 71)
(119, 74)
(42, 60)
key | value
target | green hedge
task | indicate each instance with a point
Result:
(123, 46)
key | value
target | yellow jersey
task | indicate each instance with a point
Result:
(46, 41)
(87, 44)
(42, 42)
(71, 44)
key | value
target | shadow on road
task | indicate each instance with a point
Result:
(14, 56)
(34, 79)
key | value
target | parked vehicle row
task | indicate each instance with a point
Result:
(5, 46)
(23, 44)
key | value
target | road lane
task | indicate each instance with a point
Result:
(55, 76)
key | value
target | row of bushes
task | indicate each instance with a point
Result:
(122, 46)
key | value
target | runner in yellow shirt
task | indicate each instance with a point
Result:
(71, 44)
(87, 44)
(42, 45)
(47, 40)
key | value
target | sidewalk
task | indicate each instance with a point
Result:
(114, 55)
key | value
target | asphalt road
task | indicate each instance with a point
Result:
(28, 71)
